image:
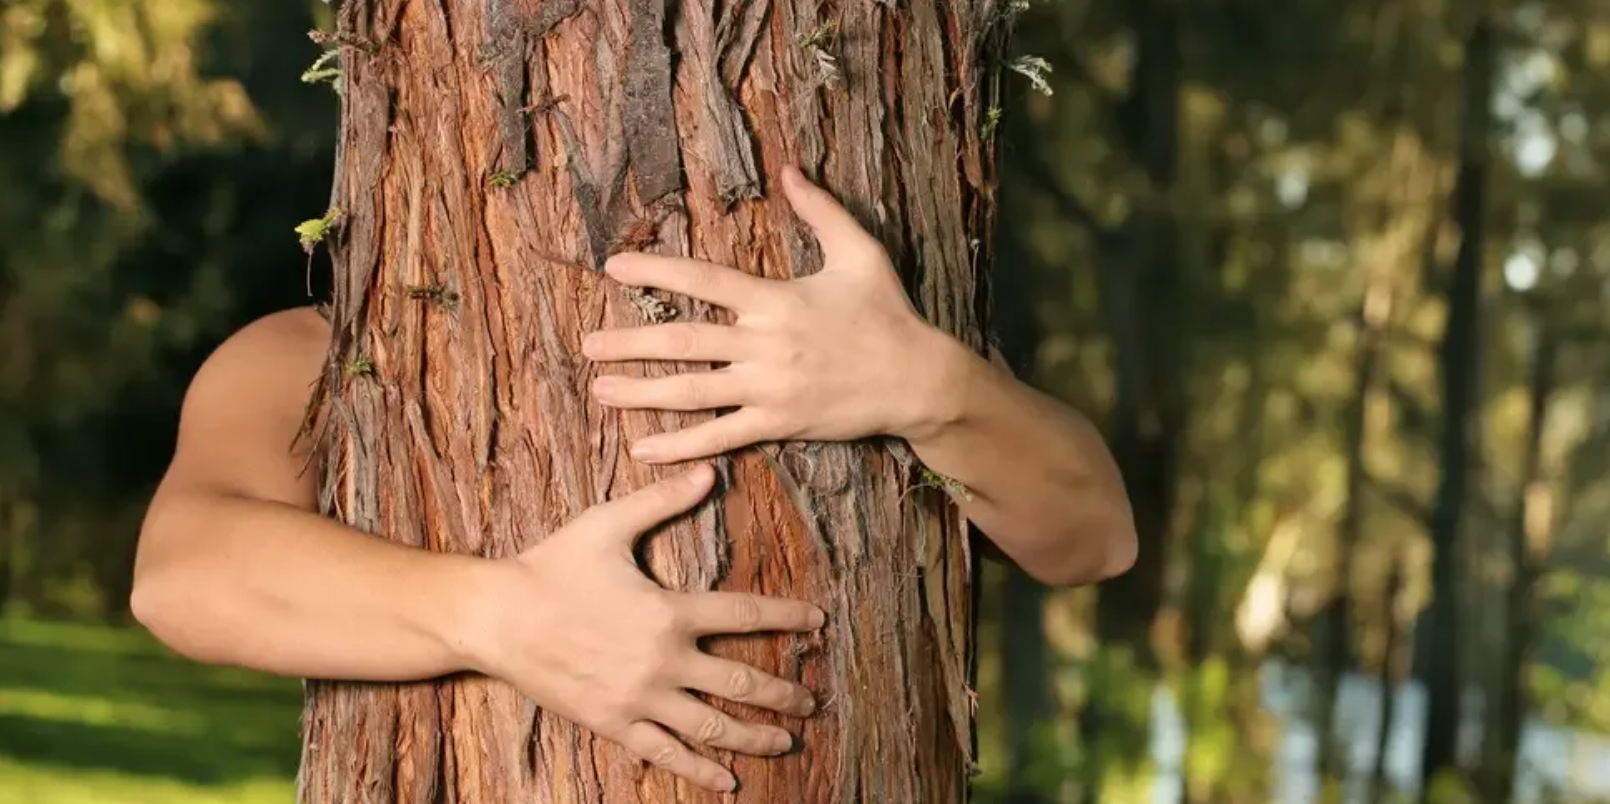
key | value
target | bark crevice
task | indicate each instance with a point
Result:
(472, 430)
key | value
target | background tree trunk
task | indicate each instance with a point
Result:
(1026, 684)
(1459, 355)
(1531, 538)
(1028, 700)
(1388, 678)
(1140, 282)
(1400, 232)
(492, 154)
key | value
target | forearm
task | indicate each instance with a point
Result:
(228, 580)
(1038, 479)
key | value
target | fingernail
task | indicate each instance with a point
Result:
(645, 451)
(808, 706)
(782, 742)
(589, 345)
(602, 387)
(727, 784)
(818, 618)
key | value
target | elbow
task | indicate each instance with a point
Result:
(162, 605)
(1119, 545)
(154, 602)
(1123, 550)
(147, 605)
(1092, 556)
(159, 599)
(151, 601)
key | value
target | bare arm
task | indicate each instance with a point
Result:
(1036, 476)
(842, 355)
(235, 568)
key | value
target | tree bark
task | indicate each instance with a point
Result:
(1459, 355)
(492, 154)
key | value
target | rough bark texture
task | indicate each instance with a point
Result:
(492, 154)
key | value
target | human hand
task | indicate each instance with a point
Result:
(577, 627)
(835, 356)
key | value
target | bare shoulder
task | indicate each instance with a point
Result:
(244, 408)
(270, 360)
(289, 339)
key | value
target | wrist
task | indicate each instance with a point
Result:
(466, 612)
(936, 402)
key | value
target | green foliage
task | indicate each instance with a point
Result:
(992, 121)
(147, 149)
(1035, 69)
(503, 178)
(928, 478)
(321, 71)
(313, 232)
(154, 150)
(1279, 187)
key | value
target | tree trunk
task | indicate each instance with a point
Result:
(1531, 537)
(1029, 704)
(492, 154)
(1388, 681)
(1141, 294)
(1141, 299)
(1025, 683)
(1401, 233)
(1460, 352)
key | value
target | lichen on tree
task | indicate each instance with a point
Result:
(470, 429)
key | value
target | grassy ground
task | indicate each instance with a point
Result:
(98, 715)
(95, 715)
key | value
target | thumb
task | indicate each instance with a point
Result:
(836, 229)
(631, 516)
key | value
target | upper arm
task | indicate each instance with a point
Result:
(243, 413)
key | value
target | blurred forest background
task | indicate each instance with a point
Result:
(1333, 274)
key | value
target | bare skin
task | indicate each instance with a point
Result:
(235, 566)
(842, 355)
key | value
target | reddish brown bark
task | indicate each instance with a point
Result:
(493, 152)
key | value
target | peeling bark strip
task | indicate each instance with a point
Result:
(650, 124)
(705, 48)
(504, 51)
(470, 429)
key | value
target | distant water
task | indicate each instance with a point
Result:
(1573, 764)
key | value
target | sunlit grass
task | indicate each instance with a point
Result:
(34, 784)
(105, 715)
